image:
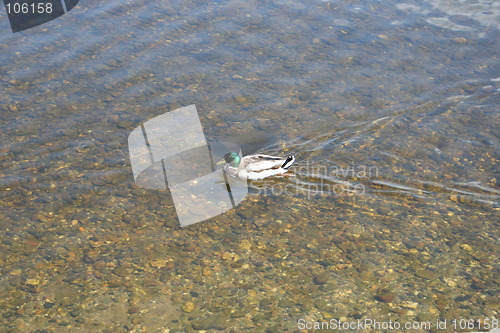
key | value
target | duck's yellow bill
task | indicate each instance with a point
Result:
(221, 162)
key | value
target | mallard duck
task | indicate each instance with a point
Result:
(256, 166)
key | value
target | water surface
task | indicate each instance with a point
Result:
(390, 108)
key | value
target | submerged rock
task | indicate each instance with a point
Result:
(322, 278)
(218, 321)
(385, 296)
(426, 274)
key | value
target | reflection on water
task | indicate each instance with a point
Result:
(458, 15)
(391, 212)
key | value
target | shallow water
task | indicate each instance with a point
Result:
(392, 213)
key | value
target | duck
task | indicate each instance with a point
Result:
(255, 167)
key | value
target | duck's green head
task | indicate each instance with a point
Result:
(233, 159)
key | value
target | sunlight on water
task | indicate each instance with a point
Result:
(458, 15)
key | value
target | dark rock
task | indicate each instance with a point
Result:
(478, 285)
(463, 298)
(218, 321)
(385, 296)
(322, 278)
(121, 271)
(48, 305)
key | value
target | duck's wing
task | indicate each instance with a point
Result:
(259, 162)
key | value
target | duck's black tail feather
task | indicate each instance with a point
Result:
(288, 162)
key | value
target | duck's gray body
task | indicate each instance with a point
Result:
(259, 166)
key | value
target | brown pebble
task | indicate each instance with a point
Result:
(478, 284)
(386, 297)
(206, 271)
(322, 278)
(32, 243)
(399, 311)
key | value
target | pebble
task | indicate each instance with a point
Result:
(245, 244)
(238, 314)
(285, 303)
(322, 278)
(409, 305)
(32, 282)
(133, 309)
(246, 213)
(261, 222)
(399, 311)
(460, 40)
(386, 296)
(206, 271)
(188, 307)
(321, 304)
(265, 303)
(121, 271)
(478, 285)
(218, 321)
(450, 282)
(466, 247)
(198, 210)
(226, 256)
(426, 274)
